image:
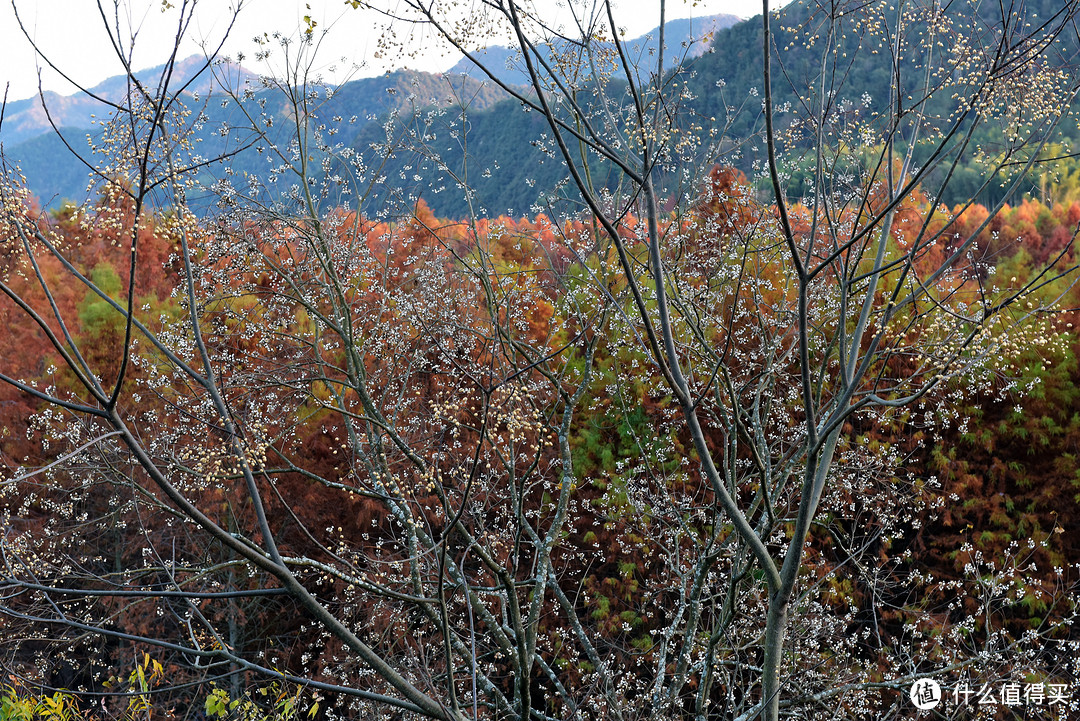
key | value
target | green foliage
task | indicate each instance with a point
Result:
(276, 701)
(94, 311)
(602, 607)
(17, 703)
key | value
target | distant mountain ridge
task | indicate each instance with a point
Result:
(27, 119)
(27, 134)
(513, 170)
(503, 155)
(686, 38)
(53, 175)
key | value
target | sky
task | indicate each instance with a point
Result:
(71, 33)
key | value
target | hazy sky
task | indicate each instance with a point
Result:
(71, 33)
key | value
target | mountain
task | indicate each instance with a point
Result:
(26, 119)
(686, 38)
(358, 107)
(429, 136)
(509, 172)
(54, 175)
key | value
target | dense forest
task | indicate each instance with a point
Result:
(712, 394)
(987, 473)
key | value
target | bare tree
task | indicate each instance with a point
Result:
(374, 431)
(380, 343)
(833, 303)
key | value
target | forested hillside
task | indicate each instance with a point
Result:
(221, 115)
(511, 166)
(722, 89)
(367, 103)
